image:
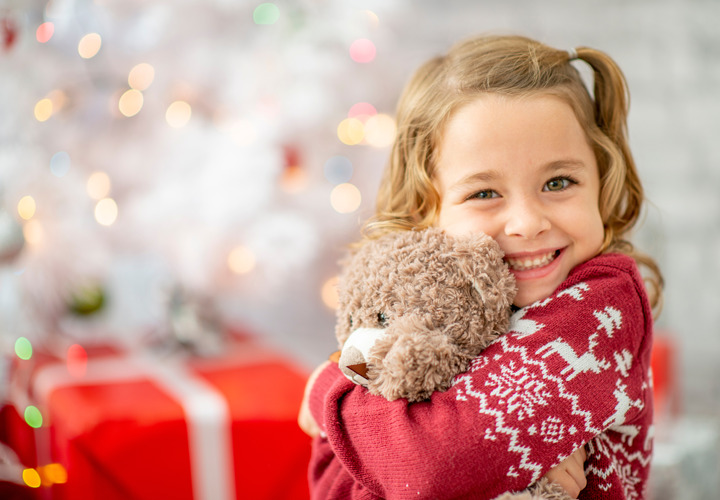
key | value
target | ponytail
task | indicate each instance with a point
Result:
(621, 195)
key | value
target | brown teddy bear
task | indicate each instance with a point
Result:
(415, 307)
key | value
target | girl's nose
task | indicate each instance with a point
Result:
(526, 218)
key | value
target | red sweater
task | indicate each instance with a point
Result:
(573, 369)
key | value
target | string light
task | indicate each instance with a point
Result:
(98, 185)
(26, 207)
(362, 111)
(380, 130)
(131, 102)
(241, 260)
(60, 164)
(43, 110)
(52, 474)
(329, 293)
(76, 361)
(89, 45)
(141, 76)
(338, 169)
(23, 348)
(345, 198)
(178, 114)
(31, 478)
(362, 50)
(266, 13)
(33, 417)
(351, 131)
(44, 32)
(106, 211)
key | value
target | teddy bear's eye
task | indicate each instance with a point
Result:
(382, 319)
(350, 321)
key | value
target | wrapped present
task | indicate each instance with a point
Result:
(118, 425)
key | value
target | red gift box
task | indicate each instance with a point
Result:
(137, 426)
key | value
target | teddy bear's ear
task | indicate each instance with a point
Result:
(480, 259)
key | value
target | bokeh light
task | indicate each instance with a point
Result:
(44, 32)
(31, 478)
(89, 45)
(43, 110)
(141, 76)
(76, 361)
(293, 179)
(33, 232)
(178, 114)
(53, 474)
(338, 169)
(329, 293)
(362, 111)
(131, 102)
(362, 50)
(33, 417)
(241, 260)
(351, 131)
(345, 198)
(60, 164)
(23, 348)
(98, 185)
(372, 18)
(380, 130)
(58, 99)
(106, 211)
(266, 13)
(26, 207)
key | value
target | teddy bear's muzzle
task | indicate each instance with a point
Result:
(356, 352)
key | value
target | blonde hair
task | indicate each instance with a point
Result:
(513, 66)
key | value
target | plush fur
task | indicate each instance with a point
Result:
(415, 307)
(426, 304)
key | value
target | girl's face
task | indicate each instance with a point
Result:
(522, 171)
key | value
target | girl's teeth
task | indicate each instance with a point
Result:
(525, 264)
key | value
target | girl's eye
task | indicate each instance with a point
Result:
(558, 184)
(485, 194)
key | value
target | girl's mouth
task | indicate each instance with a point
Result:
(528, 263)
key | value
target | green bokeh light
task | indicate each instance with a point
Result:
(23, 348)
(266, 13)
(33, 417)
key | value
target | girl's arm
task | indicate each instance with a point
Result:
(571, 367)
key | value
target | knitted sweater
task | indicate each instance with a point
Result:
(574, 369)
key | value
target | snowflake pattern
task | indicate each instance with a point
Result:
(519, 389)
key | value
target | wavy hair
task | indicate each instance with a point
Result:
(513, 66)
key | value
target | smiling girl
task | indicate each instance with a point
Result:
(501, 136)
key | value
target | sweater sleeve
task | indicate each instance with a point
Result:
(571, 367)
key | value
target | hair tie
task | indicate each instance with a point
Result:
(572, 55)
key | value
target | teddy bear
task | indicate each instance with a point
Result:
(415, 307)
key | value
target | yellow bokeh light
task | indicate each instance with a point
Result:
(98, 185)
(89, 45)
(351, 131)
(241, 260)
(345, 198)
(106, 212)
(131, 102)
(31, 478)
(329, 293)
(53, 474)
(141, 76)
(380, 130)
(33, 232)
(373, 19)
(43, 110)
(178, 114)
(26, 207)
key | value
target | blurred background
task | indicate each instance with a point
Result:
(179, 178)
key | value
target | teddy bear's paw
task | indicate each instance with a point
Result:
(413, 364)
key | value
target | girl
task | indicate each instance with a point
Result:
(501, 136)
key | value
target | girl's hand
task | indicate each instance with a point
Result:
(305, 419)
(570, 473)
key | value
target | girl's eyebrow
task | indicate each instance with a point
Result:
(476, 178)
(566, 164)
